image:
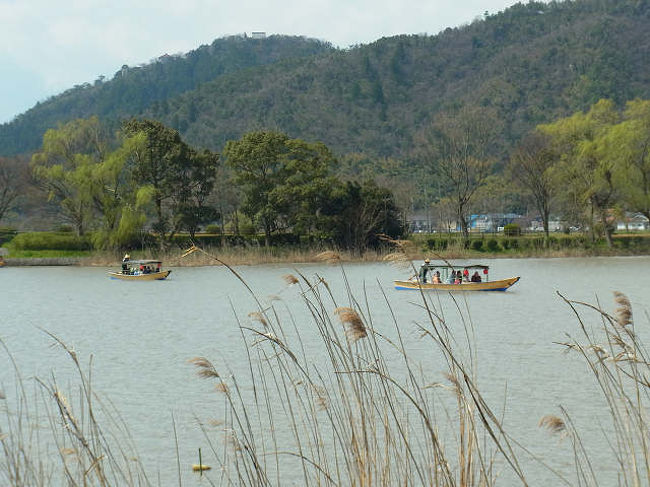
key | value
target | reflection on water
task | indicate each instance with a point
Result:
(140, 336)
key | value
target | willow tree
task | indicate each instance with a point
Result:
(64, 167)
(628, 143)
(457, 148)
(586, 168)
(90, 173)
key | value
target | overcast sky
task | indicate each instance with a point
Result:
(47, 46)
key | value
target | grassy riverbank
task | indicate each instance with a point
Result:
(448, 246)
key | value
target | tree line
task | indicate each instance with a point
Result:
(145, 178)
(592, 167)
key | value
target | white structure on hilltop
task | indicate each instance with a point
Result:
(258, 35)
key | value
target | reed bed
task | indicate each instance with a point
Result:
(618, 362)
(341, 415)
(51, 436)
(233, 255)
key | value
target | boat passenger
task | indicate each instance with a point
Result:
(436, 278)
(476, 277)
(459, 277)
(452, 277)
(465, 275)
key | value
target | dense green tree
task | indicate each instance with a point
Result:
(257, 160)
(285, 182)
(197, 185)
(306, 184)
(361, 215)
(289, 184)
(178, 178)
(118, 199)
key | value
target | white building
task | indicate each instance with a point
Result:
(633, 222)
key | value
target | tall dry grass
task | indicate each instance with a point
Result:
(618, 362)
(52, 436)
(357, 411)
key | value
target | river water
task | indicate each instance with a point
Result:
(140, 336)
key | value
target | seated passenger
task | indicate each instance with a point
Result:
(452, 277)
(476, 277)
(436, 278)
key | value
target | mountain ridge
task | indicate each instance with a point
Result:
(532, 63)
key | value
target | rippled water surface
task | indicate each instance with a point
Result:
(140, 336)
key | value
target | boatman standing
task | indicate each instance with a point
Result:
(424, 270)
(125, 267)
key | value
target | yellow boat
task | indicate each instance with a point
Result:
(462, 284)
(140, 270)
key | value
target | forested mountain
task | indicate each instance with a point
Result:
(531, 63)
(134, 89)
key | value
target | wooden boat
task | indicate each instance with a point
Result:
(140, 270)
(415, 283)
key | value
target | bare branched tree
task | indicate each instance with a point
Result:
(457, 148)
(530, 165)
(12, 180)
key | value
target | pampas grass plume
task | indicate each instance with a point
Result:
(553, 424)
(354, 327)
(206, 369)
(624, 311)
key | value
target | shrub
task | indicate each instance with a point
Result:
(512, 230)
(6, 234)
(493, 245)
(213, 229)
(510, 243)
(477, 245)
(50, 241)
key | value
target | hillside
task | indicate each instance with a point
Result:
(532, 63)
(134, 89)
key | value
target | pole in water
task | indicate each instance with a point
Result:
(200, 464)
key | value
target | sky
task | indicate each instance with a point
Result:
(48, 46)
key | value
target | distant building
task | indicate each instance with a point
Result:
(258, 35)
(492, 222)
(419, 223)
(633, 222)
(554, 225)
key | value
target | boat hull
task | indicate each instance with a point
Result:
(153, 276)
(500, 285)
